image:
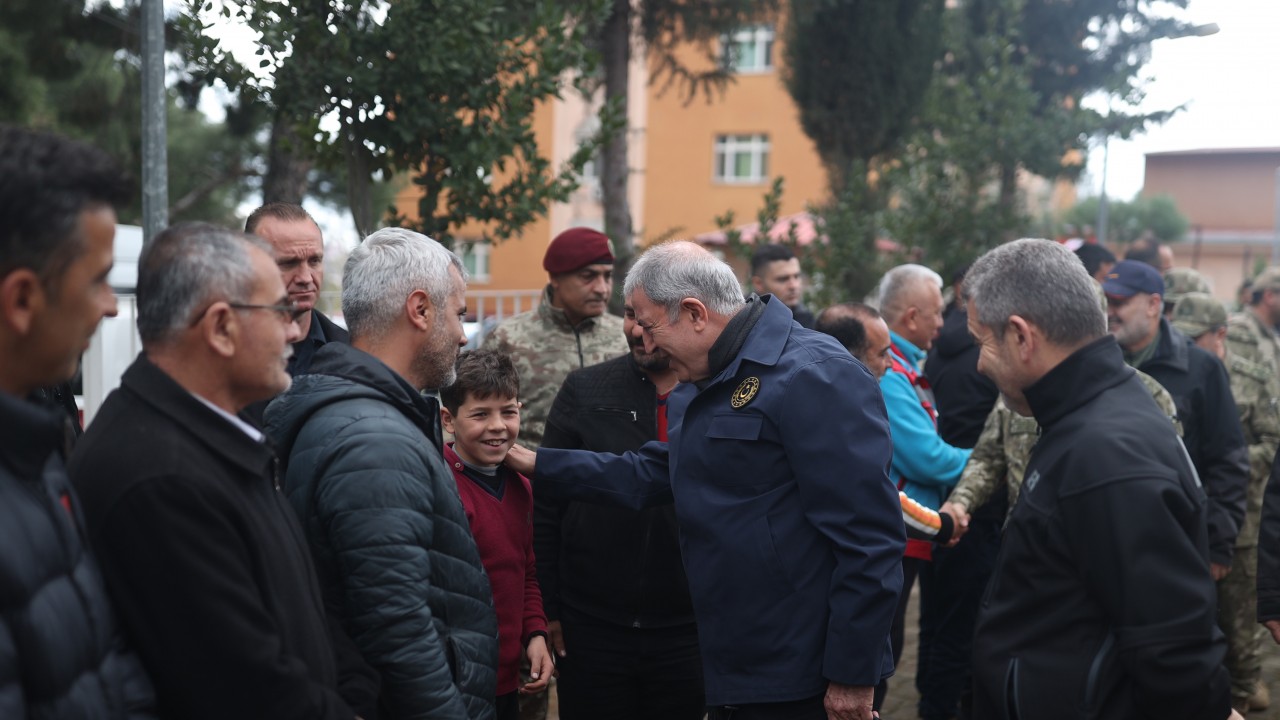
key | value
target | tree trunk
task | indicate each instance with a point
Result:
(287, 165)
(614, 168)
(1008, 196)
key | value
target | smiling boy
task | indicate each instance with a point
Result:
(482, 411)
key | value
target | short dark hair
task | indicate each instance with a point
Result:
(46, 182)
(481, 374)
(844, 322)
(1093, 256)
(288, 212)
(769, 253)
(1147, 250)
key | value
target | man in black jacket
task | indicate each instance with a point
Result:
(59, 651)
(1201, 391)
(1101, 605)
(365, 471)
(201, 551)
(613, 583)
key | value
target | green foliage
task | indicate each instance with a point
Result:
(442, 91)
(858, 71)
(847, 265)
(1128, 221)
(668, 26)
(74, 70)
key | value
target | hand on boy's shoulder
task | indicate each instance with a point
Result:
(521, 459)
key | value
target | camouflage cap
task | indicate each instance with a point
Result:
(1198, 313)
(1268, 279)
(1180, 281)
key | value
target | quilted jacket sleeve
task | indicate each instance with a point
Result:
(376, 513)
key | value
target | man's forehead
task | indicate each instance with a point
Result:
(783, 267)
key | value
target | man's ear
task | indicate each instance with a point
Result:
(221, 330)
(698, 313)
(1023, 336)
(22, 298)
(446, 419)
(419, 309)
(757, 285)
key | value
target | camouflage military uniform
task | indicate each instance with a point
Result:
(1256, 390)
(1004, 447)
(544, 347)
(1250, 338)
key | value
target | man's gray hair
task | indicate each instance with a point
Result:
(1042, 282)
(677, 270)
(385, 269)
(897, 285)
(185, 269)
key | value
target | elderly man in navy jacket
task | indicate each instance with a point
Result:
(777, 461)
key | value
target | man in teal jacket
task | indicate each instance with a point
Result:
(777, 462)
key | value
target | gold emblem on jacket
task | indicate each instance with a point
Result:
(745, 392)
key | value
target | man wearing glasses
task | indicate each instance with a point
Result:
(201, 551)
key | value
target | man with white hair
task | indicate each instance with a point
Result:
(924, 466)
(790, 529)
(1101, 604)
(364, 469)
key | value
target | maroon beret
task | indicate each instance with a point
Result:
(575, 248)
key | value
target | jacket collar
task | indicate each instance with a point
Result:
(153, 387)
(357, 366)
(1085, 374)
(910, 353)
(765, 342)
(32, 432)
(1171, 349)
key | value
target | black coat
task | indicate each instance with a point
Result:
(1102, 605)
(1269, 549)
(393, 548)
(204, 558)
(964, 396)
(1201, 391)
(60, 649)
(613, 564)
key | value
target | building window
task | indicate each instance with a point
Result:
(749, 50)
(742, 159)
(475, 258)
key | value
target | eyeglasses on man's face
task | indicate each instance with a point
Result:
(289, 312)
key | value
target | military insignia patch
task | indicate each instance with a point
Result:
(745, 392)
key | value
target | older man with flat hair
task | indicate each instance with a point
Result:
(1101, 603)
(364, 469)
(200, 548)
(790, 529)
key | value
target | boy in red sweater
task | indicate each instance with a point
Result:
(482, 411)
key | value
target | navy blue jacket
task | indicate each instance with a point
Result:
(790, 528)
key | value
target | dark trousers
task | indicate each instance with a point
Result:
(951, 589)
(509, 706)
(910, 568)
(810, 709)
(624, 673)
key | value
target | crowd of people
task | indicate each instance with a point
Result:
(704, 508)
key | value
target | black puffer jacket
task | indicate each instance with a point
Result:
(59, 642)
(1102, 606)
(393, 550)
(613, 564)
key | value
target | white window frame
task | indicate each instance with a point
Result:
(475, 258)
(726, 152)
(748, 50)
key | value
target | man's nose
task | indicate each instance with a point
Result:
(111, 304)
(293, 333)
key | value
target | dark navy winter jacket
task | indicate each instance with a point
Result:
(790, 528)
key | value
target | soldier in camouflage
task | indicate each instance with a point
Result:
(1255, 389)
(1251, 334)
(1179, 282)
(570, 329)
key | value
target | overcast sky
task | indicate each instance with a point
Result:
(1228, 81)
